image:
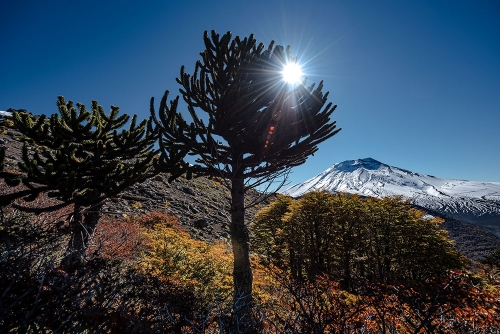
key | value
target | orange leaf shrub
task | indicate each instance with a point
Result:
(117, 239)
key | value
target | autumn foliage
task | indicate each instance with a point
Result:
(453, 304)
(354, 240)
(346, 264)
(147, 275)
(171, 254)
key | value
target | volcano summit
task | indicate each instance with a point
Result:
(470, 201)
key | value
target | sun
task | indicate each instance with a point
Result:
(292, 73)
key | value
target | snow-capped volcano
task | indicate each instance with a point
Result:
(474, 202)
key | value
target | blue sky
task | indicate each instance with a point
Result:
(417, 83)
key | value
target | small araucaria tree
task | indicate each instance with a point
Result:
(255, 127)
(80, 158)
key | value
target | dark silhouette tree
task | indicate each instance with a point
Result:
(255, 127)
(80, 157)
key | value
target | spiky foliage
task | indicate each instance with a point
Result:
(81, 157)
(253, 127)
(257, 124)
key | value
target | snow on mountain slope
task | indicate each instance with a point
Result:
(5, 113)
(474, 202)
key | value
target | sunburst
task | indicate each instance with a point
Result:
(292, 73)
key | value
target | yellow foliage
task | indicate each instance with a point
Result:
(7, 123)
(265, 282)
(352, 239)
(172, 254)
(137, 205)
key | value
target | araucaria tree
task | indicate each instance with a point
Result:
(253, 127)
(80, 158)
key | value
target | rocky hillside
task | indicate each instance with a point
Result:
(472, 240)
(201, 204)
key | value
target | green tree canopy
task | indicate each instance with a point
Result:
(354, 239)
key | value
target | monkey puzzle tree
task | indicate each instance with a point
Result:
(255, 126)
(80, 158)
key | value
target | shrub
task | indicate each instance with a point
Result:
(172, 254)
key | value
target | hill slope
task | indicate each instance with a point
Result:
(201, 205)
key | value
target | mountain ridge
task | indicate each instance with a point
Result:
(473, 202)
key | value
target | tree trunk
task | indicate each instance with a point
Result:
(82, 230)
(242, 272)
(346, 275)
